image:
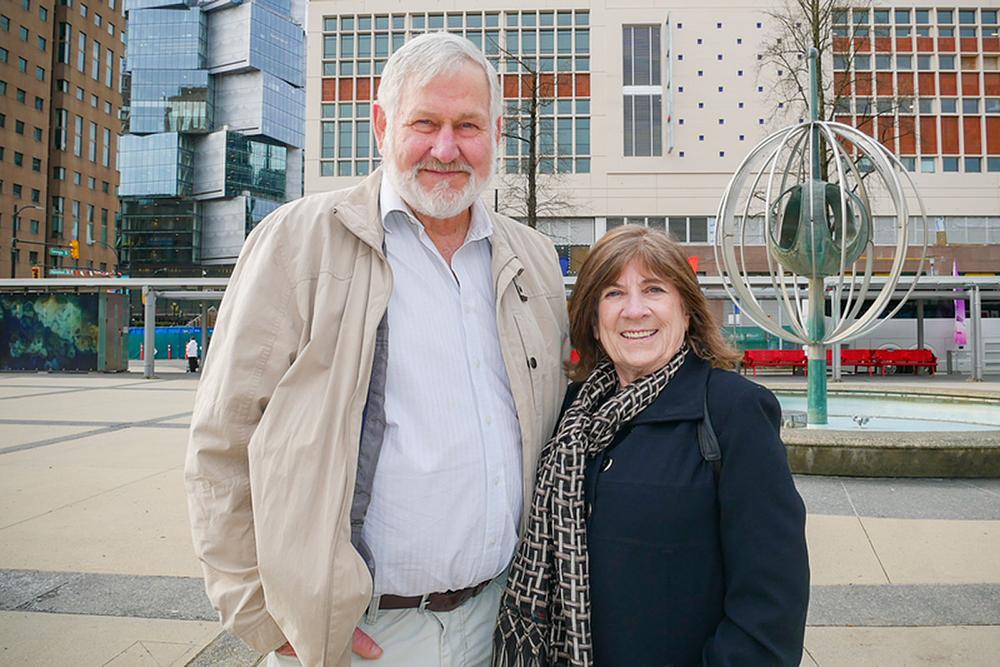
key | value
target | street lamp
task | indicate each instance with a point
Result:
(13, 234)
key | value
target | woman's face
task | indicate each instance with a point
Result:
(641, 322)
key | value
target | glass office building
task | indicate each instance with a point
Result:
(215, 121)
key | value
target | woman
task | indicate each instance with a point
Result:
(639, 551)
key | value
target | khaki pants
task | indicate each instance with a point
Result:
(415, 638)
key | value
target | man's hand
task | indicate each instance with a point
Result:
(361, 644)
(364, 646)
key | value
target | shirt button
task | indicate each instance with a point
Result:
(489, 420)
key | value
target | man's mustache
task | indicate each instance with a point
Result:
(436, 165)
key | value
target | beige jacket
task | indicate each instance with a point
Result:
(271, 463)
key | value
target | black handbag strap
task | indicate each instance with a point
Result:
(708, 442)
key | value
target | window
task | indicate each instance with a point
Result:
(42, 43)
(19, 126)
(65, 45)
(949, 105)
(36, 164)
(78, 136)
(23, 33)
(18, 159)
(59, 131)
(40, 73)
(92, 143)
(973, 164)
(949, 163)
(643, 95)
(970, 105)
(927, 165)
(95, 60)
(3, 55)
(22, 65)
(81, 51)
(106, 153)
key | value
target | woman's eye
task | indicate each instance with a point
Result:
(612, 293)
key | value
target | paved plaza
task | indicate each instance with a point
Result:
(96, 563)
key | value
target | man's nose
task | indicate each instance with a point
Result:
(445, 148)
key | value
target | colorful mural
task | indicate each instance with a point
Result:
(49, 332)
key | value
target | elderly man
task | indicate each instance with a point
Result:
(385, 368)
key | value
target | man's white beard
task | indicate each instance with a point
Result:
(442, 201)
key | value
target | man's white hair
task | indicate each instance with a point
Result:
(423, 59)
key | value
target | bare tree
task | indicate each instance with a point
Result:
(845, 73)
(532, 191)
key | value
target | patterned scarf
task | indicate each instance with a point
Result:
(545, 611)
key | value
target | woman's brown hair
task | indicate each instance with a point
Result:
(664, 258)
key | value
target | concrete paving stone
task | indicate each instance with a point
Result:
(904, 647)
(19, 587)
(147, 448)
(31, 491)
(178, 598)
(13, 435)
(226, 650)
(824, 495)
(839, 552)
(103, 404)
(138, 528)
(922, 499)
(925, 551)
(904, 605)
(32, 639)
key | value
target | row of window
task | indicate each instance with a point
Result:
(59, 174)
(867, 106)
(17, 192)
(438, 20)
(97, 142)
(904, 62)
(21, 96)
(23, 33)
(64, 55)
(20, 127)
(62, 85)
(18, 161)
(942, 16)
(22, 64)
(951, 164)
(43, 14)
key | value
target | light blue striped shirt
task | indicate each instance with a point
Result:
(446, 500)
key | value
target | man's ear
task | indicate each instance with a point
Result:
(379, 116)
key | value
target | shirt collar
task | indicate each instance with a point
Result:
(480, 226)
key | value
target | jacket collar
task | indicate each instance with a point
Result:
(683, 398)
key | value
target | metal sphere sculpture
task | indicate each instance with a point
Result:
(810, 190)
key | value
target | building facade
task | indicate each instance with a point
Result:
(647, 109)
(214, 115)
(60, 95)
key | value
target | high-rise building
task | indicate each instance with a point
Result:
(647, 109)
(60, 93)
(214, 114)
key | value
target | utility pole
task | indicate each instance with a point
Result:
(13, 235)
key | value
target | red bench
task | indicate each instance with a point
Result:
(754, 359)
(890, 360)
(872, 360)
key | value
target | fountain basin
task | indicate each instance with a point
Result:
(907, 434)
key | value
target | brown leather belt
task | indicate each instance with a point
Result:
(440, 602)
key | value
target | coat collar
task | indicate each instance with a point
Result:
(683, 398)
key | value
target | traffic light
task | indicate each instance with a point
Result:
(74, 249)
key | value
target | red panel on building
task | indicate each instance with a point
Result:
(364, 89)
(949, 135)
(378, 82)
(973, 135)
(991, 82)
(925, 44)
(883, 44)
(547, 86)
(946, 44)
(907, 135)
(329, 90)
(345, 89)
(993, 135)
(866, 125)
(862, 45)
(969, 44)
(991, 44)
(904, 44)
(863, 83)
(887, 132)
(564, 85)
(928, 135)
(904, 83)
(883, 80)
(510, 85)
(970, 83)
(583, 85)
(840, 44)
(841, 84)
(948, 83)
(927, 83)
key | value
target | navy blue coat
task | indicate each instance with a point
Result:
(685, 570)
